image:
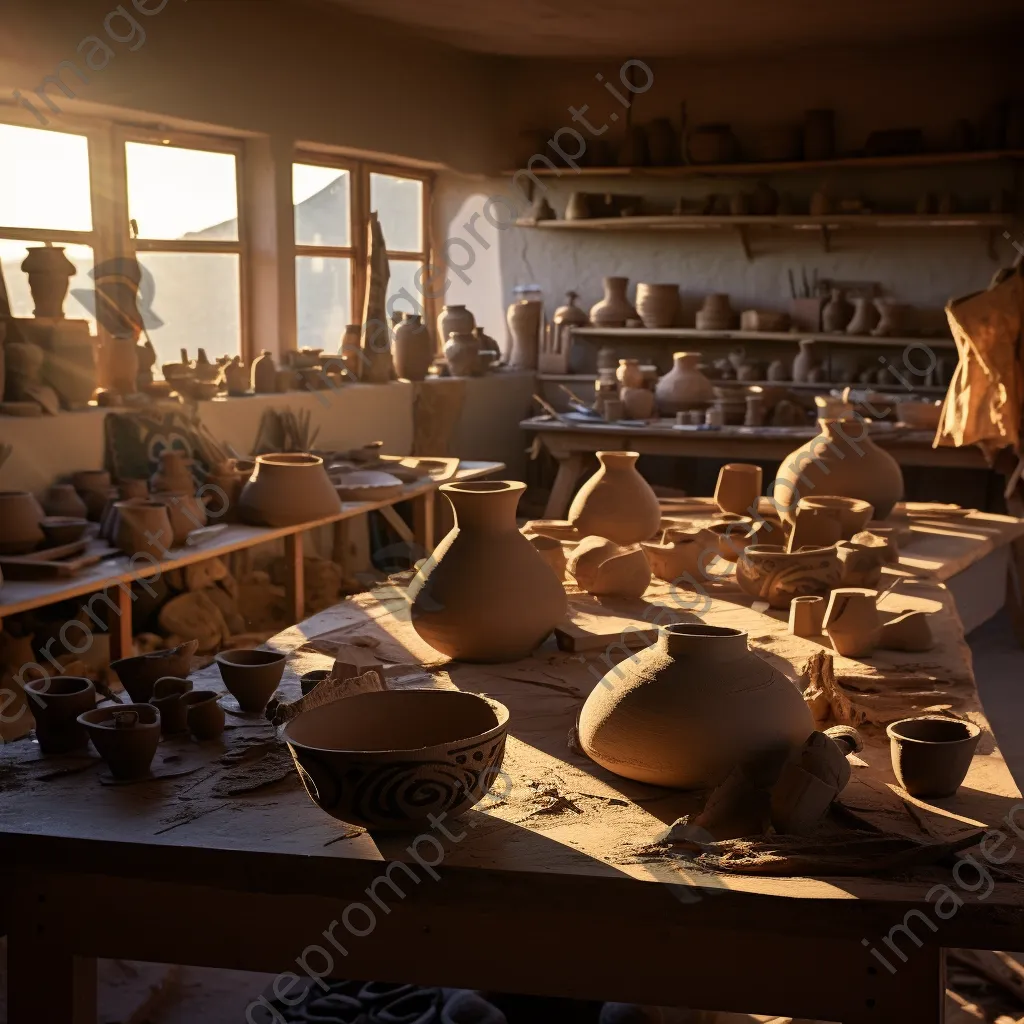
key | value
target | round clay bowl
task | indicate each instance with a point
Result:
(931, 754)
(60, 530)
(388, 760)
(138, 675)
(204, 717)
(128, 751)
(55, 705)
(251, 676)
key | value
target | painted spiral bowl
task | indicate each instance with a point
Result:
(389, 760)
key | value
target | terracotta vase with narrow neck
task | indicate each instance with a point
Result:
(684, 387)
(485, 594)
(616, 502)
(614, 309)
(689, 709)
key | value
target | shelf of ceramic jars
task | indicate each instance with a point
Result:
(682, 333)
(819, 386)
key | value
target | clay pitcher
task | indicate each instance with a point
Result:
(524, 322)
(485, 594)
(413, 349)
(616, 502)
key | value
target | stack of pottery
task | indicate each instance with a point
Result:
(20, 522)
(657, 304)
(412, 348)
(525, 320)
(454, 319)
(616, 503)
(287, 489)
(614, 310)
(684, 387)
(716, 314)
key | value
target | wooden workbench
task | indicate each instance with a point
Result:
(562, 885)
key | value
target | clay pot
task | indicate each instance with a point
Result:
(139, 674)
(601, 567)
(614, 309)
(485, 594)
(865, 317)
(852, 514)
(637, 403)
(814, 528)
(55, 704)
(524, 324)
(837, 313)
(126, 736)
(63, 500)
(396, 759)
(236, 377)
(49, 276)
(287, 489)
(251, 676)
(174, 473)
(684, 387)
(841, 461)
(769, 573)
(143, 527)
(931, 754)
(629, 374)
(739, 488)
(454, 320)
(657, 304)
(167, 693)
(20, 516)
(616, 502)
(263, 374)
(852, 621)
(805, 361)
(462, 352)
(60, 530)
(93, 487)
(716, 314)
(412, 348)
(552, 552)
(185, 511)
(570, 314)
(730, 540)
(806, 616)
(678, 556)
(909, 631)
(689, 709)
(204, 717)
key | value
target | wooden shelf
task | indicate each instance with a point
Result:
(796, 222)
(683, 333)
(824, 385)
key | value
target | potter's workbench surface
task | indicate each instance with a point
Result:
(564, 886)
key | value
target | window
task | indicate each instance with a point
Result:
(399, 203)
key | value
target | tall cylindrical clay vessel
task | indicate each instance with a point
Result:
(690, 708)
(616, 502)
(524, 321)
(486, 594)
(413, 349)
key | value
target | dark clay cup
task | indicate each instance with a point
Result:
(126, 736)
(167, 694)
(251, 676)
(56, 704)
(204, 716)
(931, 754)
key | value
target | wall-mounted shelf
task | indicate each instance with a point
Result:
(824, 385)
(684, 333)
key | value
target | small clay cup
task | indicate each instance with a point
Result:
(204, 716)
(806, 615)
(126, 736)
(931, 754)
(309, 680)
(55, 705)
(251, 676)
(167, 694)
(60, 530)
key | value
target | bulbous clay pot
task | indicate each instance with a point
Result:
(601, 567)
(63, 500)
(126, 736)
(769, 573)
(637, 403)
(614, 309)
(684, 387)
(852, 621)
(485, 594)
(49, 276)
(251, 676)
(55, 704)
(616, 502)
(837, 313)
(689, 709)
(842, 460)
(263, 374)
(286, 489)
(185, 511)
(462, 351)
(412, 348)
(738, 488)
(174, 474)
(524, 322)
(454, 320)
(20, 530)
(143, 528)
(931, 754)
(804, 362)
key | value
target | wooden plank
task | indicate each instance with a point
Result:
(295, 576)
(121, 633)
(424, 518)
(797, 222)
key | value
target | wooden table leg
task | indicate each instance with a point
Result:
(44, 982)
(569, 469)
(424, 520)
(121, 631)
(295, 582)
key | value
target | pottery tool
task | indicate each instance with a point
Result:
(579, 406)
(549, 409)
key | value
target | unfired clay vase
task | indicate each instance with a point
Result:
(462, 351)
(49, 276)
(614, 309)
(738, 488)
(20, 530)
(932, 754)
(174, 473)
(677, 556)
(603, 568)
(616, 502)
(143, 528)
(684, 386)
(689, 709)
(853, 514)
(908, 631)
(524, 323)
(806, 615)
(412, 348)
(852, 621)
(454, 320)
(126, 736)
(769, 573)
(843, 461)
(63, 500)
(657, 304)
(55, 704)
(264, 374)
(251, 676)
(185, 511)
(286, 489)
(485, 594)
(396, 759)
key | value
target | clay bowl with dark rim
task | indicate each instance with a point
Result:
(204, 716)
(931, 754)
(55, 704)
(126, 736)
(60, 530)
(251, 676)
(139, 674)
(388, 760)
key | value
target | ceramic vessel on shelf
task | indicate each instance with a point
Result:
(286, 489)
(455, 319)
(20, 529)
(525, 318)
(932, 754)
(806, 616)
(637, 403)
(712, 144)
(657, 304)
(689, 709)
(143, 528)
(488, 354)
(126, 737)
(614, 309)
(412, 348)
(185, 511)
(716, 314)
(60, 530)
(251, 676)
(235, 377)
(395, 759)
(837, 313)
(684, 387)
(463, 355)
(769, 573)
(174, 474)
(139, 674)
(601, 567)
(570, 314)
(49, 276)
(485, 594)
(55, 703)
(852, 621)
(616, 502)
(852, 514)
(204, 716)
(577, 207)
(92, 485)
(739, 488)
(629, 374)
(805, 361)
(842, 460)
(893, 318)
(865, 316)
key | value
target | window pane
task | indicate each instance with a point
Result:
(197, 297)
(323, 287)
(81, 301)
(44, 179)
(321, 199)
(403, 289)
(399, 205)
(182, 193)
